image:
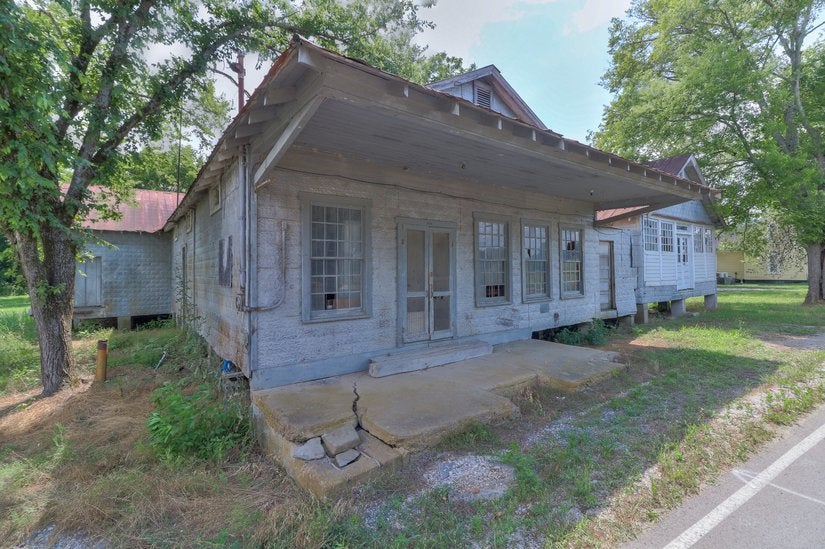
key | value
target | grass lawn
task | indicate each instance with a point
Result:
(593, 468)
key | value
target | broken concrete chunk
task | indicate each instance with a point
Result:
(340, 440)
(309, 450)
(345, 458)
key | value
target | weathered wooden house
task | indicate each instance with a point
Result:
(346, 214)
(674, 248)
(126, 274)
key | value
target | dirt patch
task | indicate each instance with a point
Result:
(470, 477)
(813, 342)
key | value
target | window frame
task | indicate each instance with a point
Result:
(548, 294)
(507, 298)
(709, 240)
(307, 201)
(698, 235)
(215, 198)
(566, 294)
(667, 243)
(650, 234)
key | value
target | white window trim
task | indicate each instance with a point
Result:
(582, 292)
(654, 229)
(507, 298)
(663, 226)
(549, 272)
(308, 200)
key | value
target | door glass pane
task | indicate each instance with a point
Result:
(415, 261)
(441, 313)
(416, 316)
(441, 262)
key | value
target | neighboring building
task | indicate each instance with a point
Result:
(674, 248)
(736, 266)
(346, 213)
(127, 273)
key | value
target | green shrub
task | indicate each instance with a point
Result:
(200, 424)
(596, 334)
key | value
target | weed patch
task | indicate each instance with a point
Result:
(197, 424)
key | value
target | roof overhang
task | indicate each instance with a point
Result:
(316, 100)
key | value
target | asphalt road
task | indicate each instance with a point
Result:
(775, 500)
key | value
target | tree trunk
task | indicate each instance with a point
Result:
(816, 271)
(49, 268)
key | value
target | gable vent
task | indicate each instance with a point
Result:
(484, 97)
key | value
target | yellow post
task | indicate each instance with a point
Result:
(102, 359)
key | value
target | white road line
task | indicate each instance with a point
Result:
(746, 476)
(741, 496)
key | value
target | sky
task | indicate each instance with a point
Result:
(553, 52)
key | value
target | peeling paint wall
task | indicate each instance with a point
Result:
(213, 308)
(293, 350)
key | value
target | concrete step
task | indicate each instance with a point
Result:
(421, 359)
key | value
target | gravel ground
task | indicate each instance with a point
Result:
(470, 477)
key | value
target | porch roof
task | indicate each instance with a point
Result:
(319, 101)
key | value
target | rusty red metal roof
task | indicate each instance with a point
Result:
(607, 214)
(147, 212)
(672, 164)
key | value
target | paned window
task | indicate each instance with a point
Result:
(336, 264)
(698, 242)
(708, 240)
(651, 230)
(667, 236)
(572, 279)
(492, 262)
(536, 261)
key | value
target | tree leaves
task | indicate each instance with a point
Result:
(734, 82)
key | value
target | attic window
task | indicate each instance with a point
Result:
(215, 198)
(483, 96)
(188, 220)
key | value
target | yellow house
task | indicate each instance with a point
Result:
(742, 268)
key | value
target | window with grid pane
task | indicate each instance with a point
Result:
(651, 230)
(536, 261)
(667, 236)
(336, 259)
(697, 240)
(492, 263)
(708, 240)
(572, 279)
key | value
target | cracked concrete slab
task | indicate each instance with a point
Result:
(413, 410)
(307, 410)
(416, 411)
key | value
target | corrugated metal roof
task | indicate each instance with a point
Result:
(146, 213)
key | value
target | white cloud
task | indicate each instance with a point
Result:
(596, 13)
(458, 23)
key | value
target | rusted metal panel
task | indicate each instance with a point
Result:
(147, 213)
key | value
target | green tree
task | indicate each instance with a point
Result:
(11, 279)
(741, 83)
(78, 92)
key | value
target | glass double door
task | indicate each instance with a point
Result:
(427, 282)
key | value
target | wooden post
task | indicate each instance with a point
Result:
(102, 359)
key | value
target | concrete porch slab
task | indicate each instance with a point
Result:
(306, 410)
(415, 411)
(410, 411)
